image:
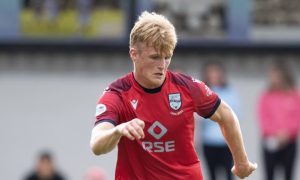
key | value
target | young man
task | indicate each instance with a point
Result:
(149, 113)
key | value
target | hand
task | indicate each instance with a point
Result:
(133, 129)
(243, 170)
(283, 139)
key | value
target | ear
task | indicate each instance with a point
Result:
(133, 54)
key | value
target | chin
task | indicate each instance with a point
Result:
(156, 83)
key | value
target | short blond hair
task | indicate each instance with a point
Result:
(154, 30)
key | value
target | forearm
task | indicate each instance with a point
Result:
(106, 136)
(104, 141)
(230, 128)
(232, 133)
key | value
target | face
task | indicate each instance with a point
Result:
(45, 167)
(150, 66)
(214, 75)
(275, 77)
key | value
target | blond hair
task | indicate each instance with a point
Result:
(154, 30)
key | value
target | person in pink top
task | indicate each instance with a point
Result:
(279, 118)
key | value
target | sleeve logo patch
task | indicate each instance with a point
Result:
(100, 108)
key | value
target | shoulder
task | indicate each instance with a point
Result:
(31, 176)
(266, 96)
(296, 92)
(122, 84)
(112, 94)
(181, 79)
(193, 86)
(58, 176)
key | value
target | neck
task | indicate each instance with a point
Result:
(143, 82)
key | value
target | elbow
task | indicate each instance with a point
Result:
(96, 152)
(95, 149)
(227, 116)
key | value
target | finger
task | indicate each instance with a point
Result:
(242, 176)
(254, 166)
(127, 134)
(140, 123)
(133, 132)
(233, 170)
(138, 129)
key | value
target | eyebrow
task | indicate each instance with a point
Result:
(159, 55)
(156, 54)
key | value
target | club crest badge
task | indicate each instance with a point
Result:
(175, 101)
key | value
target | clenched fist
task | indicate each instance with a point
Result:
(244, 170)
(133, 129)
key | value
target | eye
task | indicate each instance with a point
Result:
(155, 57)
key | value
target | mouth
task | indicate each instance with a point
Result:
(158, 75)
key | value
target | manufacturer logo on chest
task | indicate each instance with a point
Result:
(134, 103)
(175, 101)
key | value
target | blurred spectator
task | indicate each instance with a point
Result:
(279, 119)
(203, 17)
(37, 6)
(84, 12)
(95, 173)
(45, 169)
(51, 8)
(216, 151)
(282, 13)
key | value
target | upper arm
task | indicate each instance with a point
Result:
(222, 113)
(205, 100)
(103, 126)
(98, 131)
(99, 137)
(108, 108)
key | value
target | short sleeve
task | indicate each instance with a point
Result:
(206, 101)
(108, 108)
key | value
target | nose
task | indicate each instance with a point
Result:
(162, 64)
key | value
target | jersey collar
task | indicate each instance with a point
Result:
(150, 91)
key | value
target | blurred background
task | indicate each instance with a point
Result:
(57, 56)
